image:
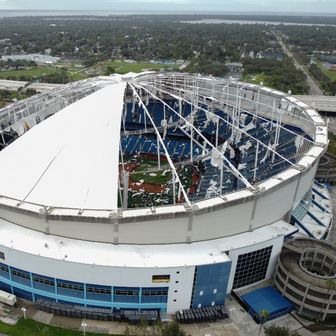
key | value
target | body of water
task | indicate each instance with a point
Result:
(276, 23)
(25, 12)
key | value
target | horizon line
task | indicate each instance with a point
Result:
(179, 12)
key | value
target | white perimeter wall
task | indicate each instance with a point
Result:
(263, 209)
(110, 276)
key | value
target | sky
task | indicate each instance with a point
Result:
(297, 6)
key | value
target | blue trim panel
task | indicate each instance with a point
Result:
(31, 286)
(210, 284)
(320, 206)
(296, 221)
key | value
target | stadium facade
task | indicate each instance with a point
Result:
(152, 191)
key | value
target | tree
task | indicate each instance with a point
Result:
(279, 331)
(30, 92)
(109, 70)
(172, 329)
(331, 283)
(5, 94)
(127, 332)
(263, 315)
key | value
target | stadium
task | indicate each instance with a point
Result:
(152, 191)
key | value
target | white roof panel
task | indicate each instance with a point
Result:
(171, 255)
(72, 158)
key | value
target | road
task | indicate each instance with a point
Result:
(314, 89)
(325, 104)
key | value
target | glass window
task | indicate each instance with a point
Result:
(161, 278)
(42, 280)
(126, 291)
(20, 274)
(252, 267)
(4, 268)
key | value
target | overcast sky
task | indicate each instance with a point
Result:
(321, 6)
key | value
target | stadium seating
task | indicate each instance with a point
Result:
(178, 145)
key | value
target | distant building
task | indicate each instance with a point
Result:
(235, 67)
(270, 54)
(38, 58)
(328, 58)
(166, 62)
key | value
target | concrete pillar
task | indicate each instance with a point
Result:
(304, 298)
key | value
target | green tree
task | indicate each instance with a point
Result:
(279, 331)
(172, 329)
(263, 315)
(5, 94)
(30, 92)
(109, 70)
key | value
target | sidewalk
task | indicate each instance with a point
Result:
(239, 324)
(219, 328)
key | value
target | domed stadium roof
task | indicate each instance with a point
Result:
(70, 159)
(158, 139)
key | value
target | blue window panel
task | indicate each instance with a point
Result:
(126, 298)
(69, 288)
(154, 299)
(4, 271)
(44, 283)
(23, 294)
(99, 293)
(211, 284)
(98, 297)
(5, 287)
(154, 295)
(44, 287)
(126, 294)
(20, 276)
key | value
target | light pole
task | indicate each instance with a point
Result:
(84, 325)
(24, 309)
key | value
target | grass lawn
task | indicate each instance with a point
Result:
(157, 177)
(143, 172)
(122, 67)
(29, 73)
(32, 328)
(76, 76)
(331, 74)
(255, 78)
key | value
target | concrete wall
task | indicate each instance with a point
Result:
(180, 285)
(226, 218)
